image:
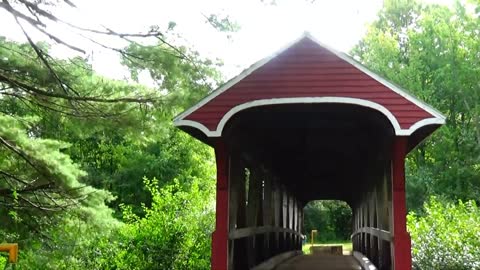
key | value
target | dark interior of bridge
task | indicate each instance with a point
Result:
(319, 151)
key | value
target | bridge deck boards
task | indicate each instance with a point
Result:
(320, 262)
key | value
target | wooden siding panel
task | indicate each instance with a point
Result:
(308, 70)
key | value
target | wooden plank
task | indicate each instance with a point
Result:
(283, 236)
(386, 215)
(290, 221)
(362, 224)
(267, 212)
(254, 197)
(294, 223)
(287, 220)
(368, 238)
(379, 220)
(236, 209)
(373, 223)
(276, 214)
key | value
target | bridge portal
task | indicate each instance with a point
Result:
(308, 123)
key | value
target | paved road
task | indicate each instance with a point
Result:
(320, 262)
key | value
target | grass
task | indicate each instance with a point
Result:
(347, 246)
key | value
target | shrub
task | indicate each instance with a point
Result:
(175, 232)
(447, 237)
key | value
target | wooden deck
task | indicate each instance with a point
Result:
(320, 262)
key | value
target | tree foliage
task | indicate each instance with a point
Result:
(72, 141)
(447, 236)
(432, 50)
(332, 220)
(173, 234)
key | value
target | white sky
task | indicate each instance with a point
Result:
(264, 28)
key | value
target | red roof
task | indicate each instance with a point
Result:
(309, 72)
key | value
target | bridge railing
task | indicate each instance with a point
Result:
(263, 247)
(265, 218)
(375, 244)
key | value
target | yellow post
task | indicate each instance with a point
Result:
(12, 250)
(313, 232)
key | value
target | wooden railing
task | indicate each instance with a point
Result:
(264, 217)
(382, 234)
(251, 231)
(374, 243)
(263, 247)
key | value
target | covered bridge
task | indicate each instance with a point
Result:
(308, 123)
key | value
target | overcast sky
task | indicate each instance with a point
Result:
(264, 27)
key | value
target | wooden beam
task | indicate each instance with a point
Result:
(220, 235)
(290, 220)
(250, 231)
(236, 251)
(267, 212)
(402, 246)
(277, 207)
(253, 206)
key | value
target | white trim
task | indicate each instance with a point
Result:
(426, 122)
(310, 100)
(343, 56)
(421, 123)
(306, 100)
(194, 124)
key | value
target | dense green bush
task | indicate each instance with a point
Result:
(447, 237)
(174, 233)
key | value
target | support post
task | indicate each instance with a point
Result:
(219, 259)
(236, 202)
(402, 246)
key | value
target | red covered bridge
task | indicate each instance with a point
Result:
(308, 123)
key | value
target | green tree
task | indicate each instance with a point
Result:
(332, 220)
(431, 50)
(56, 181)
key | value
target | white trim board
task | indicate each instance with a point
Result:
(437, 115)
(310, 100)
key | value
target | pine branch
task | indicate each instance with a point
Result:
(42, 92)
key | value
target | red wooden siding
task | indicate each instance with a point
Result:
(308, 70)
